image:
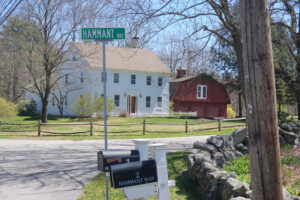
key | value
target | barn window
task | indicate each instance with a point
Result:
(66, 100)
(201, 91)
(159, 102)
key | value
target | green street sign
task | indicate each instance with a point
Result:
(102, 33)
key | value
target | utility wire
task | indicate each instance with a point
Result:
(10, 10)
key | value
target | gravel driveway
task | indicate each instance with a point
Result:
(58, 170)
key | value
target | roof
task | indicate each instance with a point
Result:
(120, 58)
(176, 80)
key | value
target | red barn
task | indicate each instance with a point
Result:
(202, 94)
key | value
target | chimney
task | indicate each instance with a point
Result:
(135, 42)
(181, 72)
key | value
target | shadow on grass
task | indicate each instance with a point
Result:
(177, 169)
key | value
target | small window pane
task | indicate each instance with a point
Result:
(133, 78)
(159, 102)
(116, 77)
(159, 81)
(148, 102)
(204, 92)
(117, 100)
(148, 80)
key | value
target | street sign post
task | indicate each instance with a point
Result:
(103, 34)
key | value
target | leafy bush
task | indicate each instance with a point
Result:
(122, 114)
(240, 166)
(98, 105)
(230, 112)
(26, 108)
(82, 106)
(7, 109)
(282, 117)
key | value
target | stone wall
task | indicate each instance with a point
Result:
(206, 160)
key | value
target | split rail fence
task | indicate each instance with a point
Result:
(143, 127)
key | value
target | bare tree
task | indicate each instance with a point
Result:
(199, 19)
(58, 20)
(286, 15)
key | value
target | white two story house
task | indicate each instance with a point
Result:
(137, 80)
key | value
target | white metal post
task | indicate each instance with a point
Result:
(105, 115)
(142, 146)
(159, 155)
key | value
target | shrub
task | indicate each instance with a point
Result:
(7, 109)
(26, 108)
(241, 166)
(122, 114)
(230, 112)
(282, 117)
(98, 105)
(82, 106)
(171, 107)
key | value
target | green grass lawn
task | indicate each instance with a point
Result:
(167, 127)
(177, 170)
(290, 169)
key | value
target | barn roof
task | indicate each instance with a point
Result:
(120, 58)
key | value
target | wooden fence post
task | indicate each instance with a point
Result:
(39, 128)
(91, 128)
(261, 101)
(219, 124)
(144, 127)
(186, 126)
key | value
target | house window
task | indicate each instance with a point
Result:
(53, 100)
(159, 81)
(102, 95)
(117, 100)
(159, 102)
(66, 100)
(133, 78)
(102, 76)
(201, 91)
(116, 77)
(148, 101)
(81, 97)
(81, 77)
(66, 79)
(148, 80)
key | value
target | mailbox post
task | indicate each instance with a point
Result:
(142, 146)
(159, 155)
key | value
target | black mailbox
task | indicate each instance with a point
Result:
(135, 173)
(112, 157)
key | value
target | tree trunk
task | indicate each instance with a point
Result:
(298, 106)
(44, 110)
(240, 114)
(261, 101)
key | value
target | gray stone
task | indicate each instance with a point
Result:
(219, 158)
(227, 143)
(239, 146)
(297, 143)
(239, 198)
(214, 141)
(281, 141)
(239, 136)
(287, 195)
(286, 127)
(229, 155)
(238, 153)
(245, 150)
(190, 162)
(203, 146)
(237, 187)
(290, 137)
(246, 141)
(202, 156)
